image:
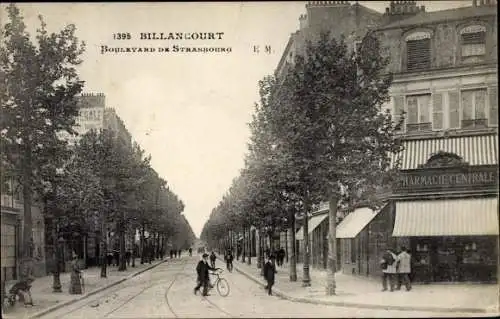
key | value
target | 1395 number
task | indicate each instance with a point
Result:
(122, 36)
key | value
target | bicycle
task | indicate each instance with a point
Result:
(221, 283)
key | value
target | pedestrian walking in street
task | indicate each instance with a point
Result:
(389, 269)
(269, 271)
(175, 253)
(212, 259)
(109, 257)
(128, 257)
(75, 286)
(404, 269)
(116, 258)
(190, 252)
(229, 260)
(202, 275)
(180, 252)
(281, 256)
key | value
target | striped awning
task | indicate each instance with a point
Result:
(450, 217)
(354, 222)
(314, 222)
(475, 150)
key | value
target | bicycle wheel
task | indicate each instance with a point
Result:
(223, 287)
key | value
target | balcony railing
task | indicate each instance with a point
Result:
(419, 127)
(478, 123)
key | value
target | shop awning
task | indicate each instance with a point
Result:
(355, 222)
(475, 150)
(450, 217)
(314, 222)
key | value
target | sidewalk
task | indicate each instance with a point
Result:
(364, 292)
(47, 301)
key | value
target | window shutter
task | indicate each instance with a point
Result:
(437, 111)
(454, 108)
(399, 106)
(474, 38)
(493, 95)
(418, 54)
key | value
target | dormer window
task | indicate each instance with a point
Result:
(473, 41)
(418, 51)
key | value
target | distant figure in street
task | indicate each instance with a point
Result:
(229, 260)
(281, 256)
(116, 257)
(175, 253)
(171, 253)
(212, 259)
(404, 269)
(128, 257)
(75, 286)
(190, 252)
(269, 271)
(109, 257)
(203, 276)
(389, 269)
(180, 252)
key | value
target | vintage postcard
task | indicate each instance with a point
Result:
(249, 159)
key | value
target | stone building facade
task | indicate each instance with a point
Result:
(445, 80)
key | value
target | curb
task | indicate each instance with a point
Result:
(283, 295)
(93, 292)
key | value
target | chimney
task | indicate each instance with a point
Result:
(327, 4)
(399, 10)
(303, 21)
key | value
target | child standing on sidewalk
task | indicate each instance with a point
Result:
(269, 271)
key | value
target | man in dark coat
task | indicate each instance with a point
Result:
(203, 278)
(269, 271)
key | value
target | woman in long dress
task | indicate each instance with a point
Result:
(75, 287)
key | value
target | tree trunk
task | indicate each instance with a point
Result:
(123, 263)
(104, 250)
(157, 245)
(306, 279)
(56, 279)
(249, 259)
(143, 246)
(134, 252)
(27, 182)
(286, 246)
(291, 249)
(261, 252)
(332, 246)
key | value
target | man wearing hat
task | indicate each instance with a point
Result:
(203, 279)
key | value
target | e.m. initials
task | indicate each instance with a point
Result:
(258, 49)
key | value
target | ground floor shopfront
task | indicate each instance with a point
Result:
(444, 209)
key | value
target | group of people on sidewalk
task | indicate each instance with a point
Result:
(396, 269)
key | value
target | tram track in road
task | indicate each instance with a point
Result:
(156, 284)
(111, 292)
(169, 305)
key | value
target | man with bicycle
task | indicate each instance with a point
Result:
(203, 275)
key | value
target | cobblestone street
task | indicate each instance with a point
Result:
(167, 292)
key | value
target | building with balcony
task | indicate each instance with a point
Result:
(444, 208)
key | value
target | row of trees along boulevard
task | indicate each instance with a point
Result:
(320, 133)
(101, 182)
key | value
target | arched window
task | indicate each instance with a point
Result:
(418, 50)
(473, 41)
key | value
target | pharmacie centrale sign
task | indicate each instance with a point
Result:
(470, 177)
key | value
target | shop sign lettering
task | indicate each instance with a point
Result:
(427, 179)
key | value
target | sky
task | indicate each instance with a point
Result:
(188, 110)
